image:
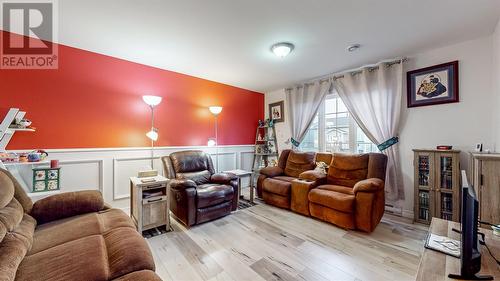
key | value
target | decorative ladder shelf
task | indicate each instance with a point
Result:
(266, 147)
(6, 133)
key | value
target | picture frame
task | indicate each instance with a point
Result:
(277, 111)
(437, 84)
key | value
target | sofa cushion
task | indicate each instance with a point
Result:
(337, 188)
(213, 194)
(82, 259)
(11, 215)
(127, 252)
(67, 204)
(116, 252)
(285, 178)
(348, 169)
(19, 192)
(199, 177)
(139, 275)
(299, 162)
(191, 161)
(213, 212)
(61, 231)
(14, 247)
(6, 190)
(333, 199)
(272, 185)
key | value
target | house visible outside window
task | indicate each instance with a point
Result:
(334, 130)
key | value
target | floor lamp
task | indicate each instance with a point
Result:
(216, 110)
(152, 101)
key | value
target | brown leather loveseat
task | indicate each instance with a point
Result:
(352, 194)
(68, 236)
(197, 193)
(274, 184)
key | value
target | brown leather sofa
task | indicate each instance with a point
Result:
(274, 184)
(351, 195)
(196, 193)
(68, 236)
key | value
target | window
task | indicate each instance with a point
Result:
(334, 130)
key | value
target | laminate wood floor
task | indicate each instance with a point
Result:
(267, 243)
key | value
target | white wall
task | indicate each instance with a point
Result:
(109, 170)
(459, 124)
(282, 128)
(496, 84)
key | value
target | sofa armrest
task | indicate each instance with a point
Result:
(313, 175)
(181, 184)
(66, 205)
(271, 171)
(223, 178)
(369, 185)
(299, 195)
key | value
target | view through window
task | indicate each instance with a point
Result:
(334, 130)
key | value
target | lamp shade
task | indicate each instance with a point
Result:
(211, 142)
(151, 100)
(153, 134)
(215, 110)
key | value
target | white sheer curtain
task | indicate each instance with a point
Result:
(303, 103)
(373, 97)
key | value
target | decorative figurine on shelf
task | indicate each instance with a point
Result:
(37, 155)
(259, 137)
(258, 149)
(270, 146)
(261, 123)
(270, 122)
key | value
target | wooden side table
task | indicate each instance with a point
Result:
(149, 204)
(241, 174)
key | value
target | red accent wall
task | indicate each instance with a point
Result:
(95, 101)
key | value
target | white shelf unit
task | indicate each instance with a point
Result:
(6, 133)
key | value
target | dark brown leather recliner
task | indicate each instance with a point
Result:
(196, 193)
(274, 183)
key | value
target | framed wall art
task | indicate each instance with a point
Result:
(432, 85)
(276, 111)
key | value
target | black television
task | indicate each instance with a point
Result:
(470, 254)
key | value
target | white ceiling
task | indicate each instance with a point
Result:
(228, 41)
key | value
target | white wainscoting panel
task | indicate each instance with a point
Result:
(82, 175)
(109, 169)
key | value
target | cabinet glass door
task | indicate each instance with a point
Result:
(446, 172)
(447, 204)
(424, 205)
(424, 170)
(425, 191)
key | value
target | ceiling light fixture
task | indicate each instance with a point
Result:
(282, 49)
(352, 48)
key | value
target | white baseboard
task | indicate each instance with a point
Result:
(408, 214)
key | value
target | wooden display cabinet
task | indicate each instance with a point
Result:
(485, 171)
(437, 184)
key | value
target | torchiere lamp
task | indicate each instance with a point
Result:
(216, 110)
(152, 101)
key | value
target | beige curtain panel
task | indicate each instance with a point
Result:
(373, 97)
